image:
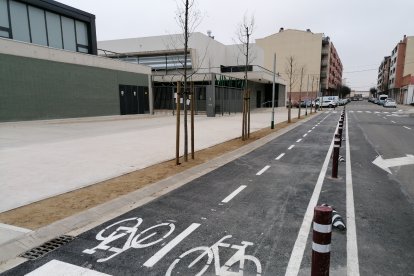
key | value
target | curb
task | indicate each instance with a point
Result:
(90, 218)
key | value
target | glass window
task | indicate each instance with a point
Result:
(4, 15)
(37, 25)
(4, 34)
(83, 50)
(82, 33)
(54, 30)
(68, 28)
(19, 21)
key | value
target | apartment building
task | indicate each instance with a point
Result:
(384, 75)
(401, 72)
(314, 52)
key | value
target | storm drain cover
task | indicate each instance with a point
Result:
(47, 247)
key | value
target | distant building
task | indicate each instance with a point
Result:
(384, 75)
(312, 51)
(216, 71)
(401, 72)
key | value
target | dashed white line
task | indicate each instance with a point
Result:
(263, 170)
(313, 128)
(167, 248)
(233, 194)
(298, 141)
(384, 118)
(304, 135)
(393, 122)
(406, 127)
(280, 156)
(291, 147)
(300, 243)
(310, 130)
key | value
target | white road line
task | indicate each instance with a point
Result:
(304, 135)
(55, 267)
(300, 243)
(167, 248)
(291, 147)
(351, 237)
(298, 141)
(313, 128)
(393, 122)
(384, 118)
(263, 170)
(309, 130)
(280, 156)
(233, 194)
(368, 111)
(406, 127)
(359, 111)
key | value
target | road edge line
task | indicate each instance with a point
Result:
(352, 262)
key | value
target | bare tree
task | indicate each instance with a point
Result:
(302, 69)
(245, 30)
(291, 72)
(188, 18)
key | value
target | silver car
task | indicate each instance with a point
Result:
(390, 103)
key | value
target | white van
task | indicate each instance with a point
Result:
(381, 99)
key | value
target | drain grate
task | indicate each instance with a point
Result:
(47, 247)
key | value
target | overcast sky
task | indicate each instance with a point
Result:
(363, 31)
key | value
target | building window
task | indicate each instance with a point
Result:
(68, 30)
(4, 19)
(19, 21)
(37, 26)
(82, 37)
(54, 30)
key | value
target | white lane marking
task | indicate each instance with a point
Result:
(359, 111)
(291, 147)
(233, 194)
(313, 128)
(351, 237)
(406, 127)
(55, 267)
(386, 112)
(298, 141)
(384, 118)
(310, 130)
(167, 248)
(351, 111)
(263, 170)
(393, 122)
(368, 111)
(300, 243)
(280, 156)
(304, 135)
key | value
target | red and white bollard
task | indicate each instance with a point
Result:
(321, 245)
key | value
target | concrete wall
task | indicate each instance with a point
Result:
(35, 88)
(305, 47)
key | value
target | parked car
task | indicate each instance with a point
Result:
(315, 103)
(305, 103)
(390, 103)
(328, 103)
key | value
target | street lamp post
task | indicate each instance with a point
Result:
(272, 124)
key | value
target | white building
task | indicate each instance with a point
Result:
(216, 70)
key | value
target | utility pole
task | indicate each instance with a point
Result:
(185, 82)
(272, 124)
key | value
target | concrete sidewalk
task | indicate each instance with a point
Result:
(42, 159)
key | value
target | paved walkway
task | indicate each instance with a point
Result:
(42, 159)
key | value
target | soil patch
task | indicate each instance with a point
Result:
(47, 211)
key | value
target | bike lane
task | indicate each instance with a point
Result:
(259, 224)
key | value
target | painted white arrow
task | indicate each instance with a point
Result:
(385, 164)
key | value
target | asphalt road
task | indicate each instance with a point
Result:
(251, 215)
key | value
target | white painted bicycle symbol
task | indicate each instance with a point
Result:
(127, 229)
(213, 253)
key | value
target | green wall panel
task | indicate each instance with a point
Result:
(32, 89)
